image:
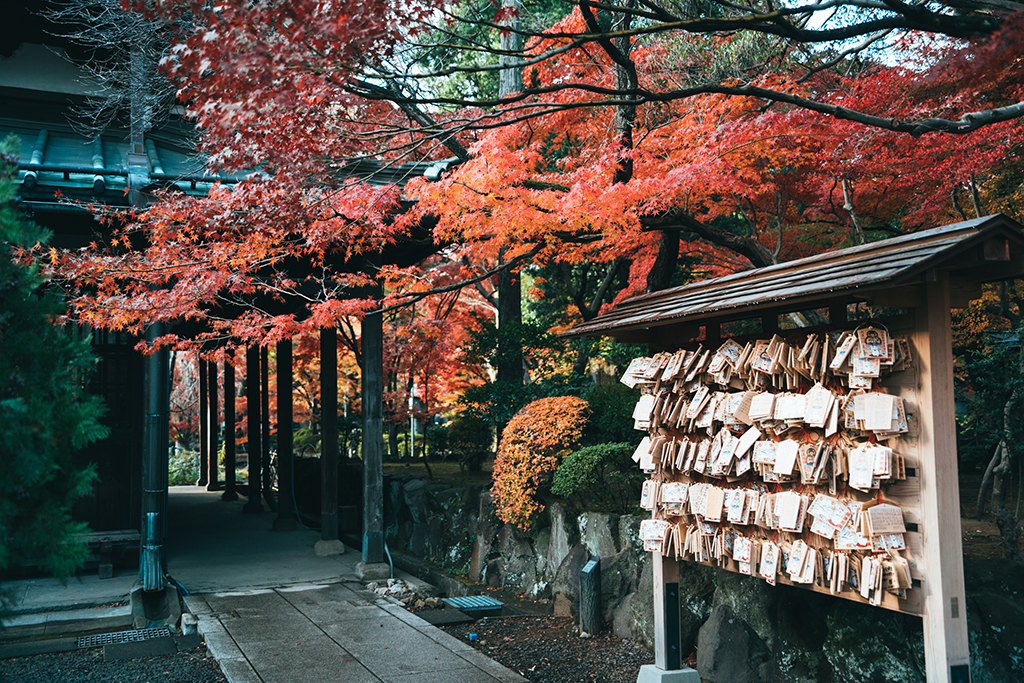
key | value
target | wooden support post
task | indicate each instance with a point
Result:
(204, 426)
(230, 491)
(329, 432)
(947, 657)
(590, 597)
(837, 312)
(252, 406)
(285, 456)
(373, 438)
(329, 543)
(268, 484)
(213, 447)
(667, 643)
(154, 466)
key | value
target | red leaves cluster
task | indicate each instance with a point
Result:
(271, 85)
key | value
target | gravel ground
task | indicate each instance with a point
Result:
(87, 666)
(548, 650)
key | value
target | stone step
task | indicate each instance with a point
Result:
(66, 621)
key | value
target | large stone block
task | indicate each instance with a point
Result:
(750, 597)
(869, 644)
(520, 562)
(567, 578)
(563, 537)
(599, 533)
(618, 579)
(729, 651)
(622, 617)
(487, 526)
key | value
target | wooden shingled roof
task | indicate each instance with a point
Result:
(981, 250)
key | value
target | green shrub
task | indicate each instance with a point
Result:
(601, 477)
(183, 468)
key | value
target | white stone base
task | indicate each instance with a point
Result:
(373, 571)
(328, 548)
(649, 673)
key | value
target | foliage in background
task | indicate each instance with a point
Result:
(600, 477)
(183, 467)
(532, 446)
(611, 413)
(469, 438)
(549, 365)
(985, 349)
(988, 376)
(45, 415)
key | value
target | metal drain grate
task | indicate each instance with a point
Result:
(476, 605)
(123, 637)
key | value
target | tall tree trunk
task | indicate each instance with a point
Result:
(393, 440)
(1001, 465)
(625, 81)
(660, 275)
(510, 309)
(510, 78)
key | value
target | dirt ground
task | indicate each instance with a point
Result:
(550, 650)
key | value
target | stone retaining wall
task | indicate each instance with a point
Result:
(745, 631)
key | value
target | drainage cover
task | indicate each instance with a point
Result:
(476, 605)
(123, 637)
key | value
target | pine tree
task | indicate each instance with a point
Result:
(44, 413)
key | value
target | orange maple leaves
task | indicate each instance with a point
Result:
(532, 445)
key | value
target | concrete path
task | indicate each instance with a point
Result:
(331, 633)
(273, 612)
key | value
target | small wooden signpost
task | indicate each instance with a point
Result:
(590, 597)
(907, 284)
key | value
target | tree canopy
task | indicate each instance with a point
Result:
(646, 134)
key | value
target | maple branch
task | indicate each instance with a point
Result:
(602, 289)
(968, 122)
(956, 204)
(675, 219)
(848, 205)
(488, 296)
(860, 47)
(447, 138)
(419, 296)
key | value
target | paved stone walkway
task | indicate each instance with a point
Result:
(328, 633)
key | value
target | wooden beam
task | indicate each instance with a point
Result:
(373, 439)
(265, 422)
(667, 643)
(947, 657)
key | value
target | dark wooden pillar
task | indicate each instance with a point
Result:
(373, 439)
(204, 426)
(154, 466)
(265, 423)
(285, 520)
(329, 543)
(213, 449)
(252, 407)
(230, 492)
